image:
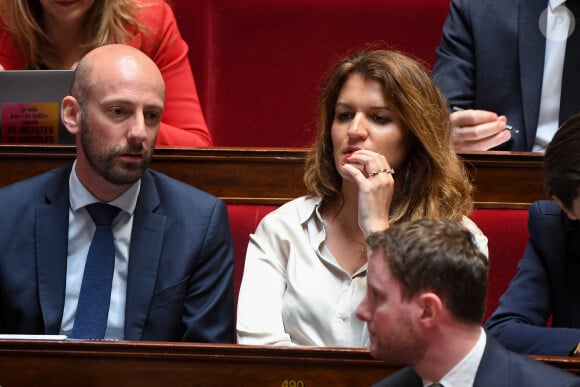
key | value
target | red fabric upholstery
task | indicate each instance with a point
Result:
(258, 64)
(244, 219)
(506, 230)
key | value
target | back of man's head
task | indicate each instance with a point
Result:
(438, 256)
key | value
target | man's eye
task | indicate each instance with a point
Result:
(153, 117)
(117, 111)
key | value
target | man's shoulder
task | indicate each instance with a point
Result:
(476, 10)
(404, 377)
(545, 207)
(167, 185)
(502, 365)
(38, 185)
(523, 368)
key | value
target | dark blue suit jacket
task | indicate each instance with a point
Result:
(499, 367)
(547, 283)
(491, 57)
(180, 277)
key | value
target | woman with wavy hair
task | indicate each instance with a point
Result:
(383, 156)
(50, 34)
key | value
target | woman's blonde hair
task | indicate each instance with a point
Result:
(432, 183)
(108, 21)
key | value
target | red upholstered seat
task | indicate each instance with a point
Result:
(244, 219)
(506, 230)
(258, 64)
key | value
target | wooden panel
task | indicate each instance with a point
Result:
(81, 363)
(506, 179)
(274, 175)
(126, 363)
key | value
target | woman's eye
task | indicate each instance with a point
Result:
(381, 119)
(344, 116)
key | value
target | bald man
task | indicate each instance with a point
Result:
(173, 257)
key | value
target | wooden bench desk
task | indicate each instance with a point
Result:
(274, 175)
(124, 363)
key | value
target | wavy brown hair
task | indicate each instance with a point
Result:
(433, 182)
(108, 21)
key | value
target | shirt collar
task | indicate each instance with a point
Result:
(463, 374)
(310, 218)
(555, 3)
(80, 197)
(309, 208)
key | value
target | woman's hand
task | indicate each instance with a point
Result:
(374, 178)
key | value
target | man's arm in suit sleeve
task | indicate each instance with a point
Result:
(520, 320)
(454, 67)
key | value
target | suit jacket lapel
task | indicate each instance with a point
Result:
(532, 46)
(51, 220)
(144, 257)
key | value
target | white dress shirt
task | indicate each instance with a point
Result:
(80, 234)
(558, 22)
(293, 291)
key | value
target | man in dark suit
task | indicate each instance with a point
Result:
(427, 284)
(546, 284)
(496, 62)
(173, 258)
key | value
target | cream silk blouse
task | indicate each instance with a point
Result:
(294, 292)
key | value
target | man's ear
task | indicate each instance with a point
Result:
(569, 214)
(431, 308)
(70, 112)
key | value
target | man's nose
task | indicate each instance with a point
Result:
(138, 130)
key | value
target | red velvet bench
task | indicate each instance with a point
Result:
(506, 230)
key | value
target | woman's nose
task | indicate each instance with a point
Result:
(358, 126)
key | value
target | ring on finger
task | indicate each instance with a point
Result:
(384, 170)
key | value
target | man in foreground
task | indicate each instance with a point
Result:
(424, 305)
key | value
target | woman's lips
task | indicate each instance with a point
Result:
(351, 149)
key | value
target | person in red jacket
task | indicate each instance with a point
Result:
(52, 34)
